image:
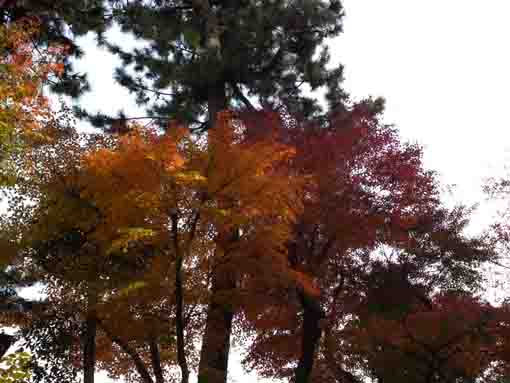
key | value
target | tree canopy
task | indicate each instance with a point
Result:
(311, 235)
(202, 56)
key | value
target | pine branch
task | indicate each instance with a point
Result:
(147, 89)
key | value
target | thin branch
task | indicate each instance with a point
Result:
(142, 87)
(179, 301)
(499, 264)
(143, 118)
(194, 223)
(139, 364)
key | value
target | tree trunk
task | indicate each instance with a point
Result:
(341, 375)
(216, 102)
(179, 303)
(213, 367)
(89, 340)
(312, 314)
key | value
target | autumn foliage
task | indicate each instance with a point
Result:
(326, 245)
(24, 110)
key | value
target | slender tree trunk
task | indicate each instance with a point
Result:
(213, 367)
(89, 340)
(312, 314)
(341, 375)
(179, 327)
(179, 302)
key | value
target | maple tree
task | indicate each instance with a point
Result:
(371, 194)
(452, 337)
(111, 218)
(334, 250)
(497, 189)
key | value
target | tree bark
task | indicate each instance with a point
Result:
(213, 367)
(312, 314)
(89, 340)
(179, 303)
(341, 375)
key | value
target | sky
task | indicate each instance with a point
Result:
(443, 68)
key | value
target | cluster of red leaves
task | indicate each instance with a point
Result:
(26, 117)
(368, 194)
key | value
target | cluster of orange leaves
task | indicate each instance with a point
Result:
(119, 196)
(24, 69)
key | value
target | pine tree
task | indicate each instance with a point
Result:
(203, 56)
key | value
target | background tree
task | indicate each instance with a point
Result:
(449, 339)
(61, 22)
(24, 117)
(264, 49)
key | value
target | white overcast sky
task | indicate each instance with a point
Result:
(443, 68)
